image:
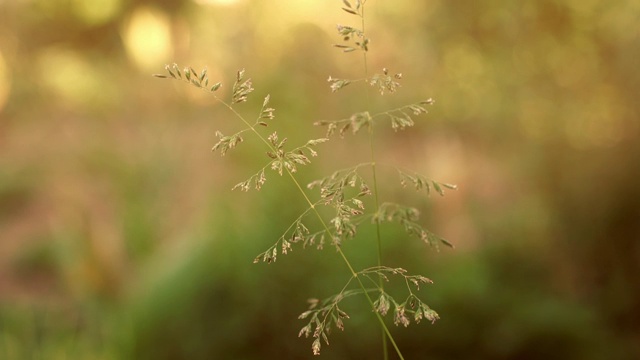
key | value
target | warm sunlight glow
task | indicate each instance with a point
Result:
(69, 74)
(96, 12)
(5, 85)
(218, 2)
(147, 38)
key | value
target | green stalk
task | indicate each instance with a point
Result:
(385, 351)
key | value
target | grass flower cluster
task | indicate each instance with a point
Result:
(350, 195)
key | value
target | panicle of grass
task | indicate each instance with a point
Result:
(420, 182)
(226, 142)
(343, 192)
(325, 315)
(408, 217)
(352, 36)
(400, 118)
(384, 82)
(241, 88)
(190, 76)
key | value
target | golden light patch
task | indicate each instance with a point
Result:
(96, 12)
(147, 38)
(5, 83)
(68, 74)
(218, 2)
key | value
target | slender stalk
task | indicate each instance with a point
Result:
(376, 197)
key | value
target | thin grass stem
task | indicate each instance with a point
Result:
(385, 333)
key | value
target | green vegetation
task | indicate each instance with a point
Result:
(120, 237)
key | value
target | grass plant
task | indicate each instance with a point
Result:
(338, 204)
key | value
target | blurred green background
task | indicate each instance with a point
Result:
(120, 237)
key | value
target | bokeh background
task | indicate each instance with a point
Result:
(120, 237)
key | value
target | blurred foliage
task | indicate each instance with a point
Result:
(119, 237)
